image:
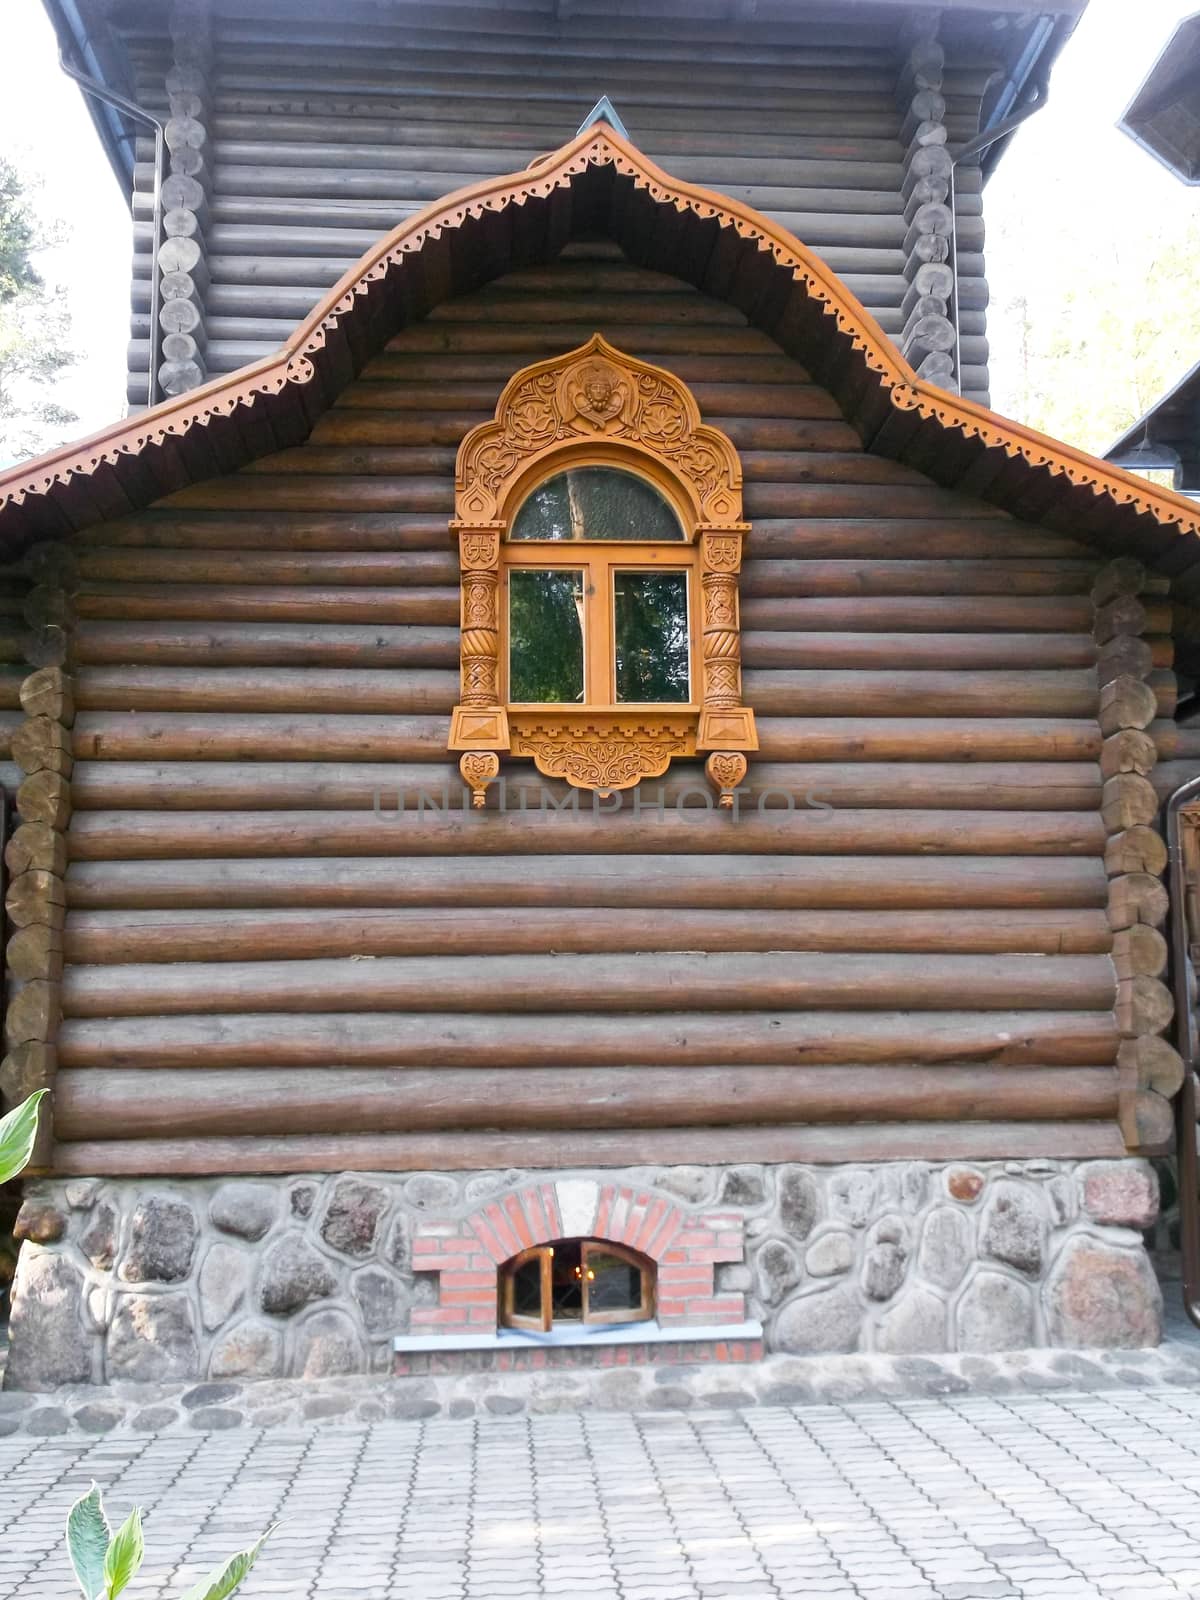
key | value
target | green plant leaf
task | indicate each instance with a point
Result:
(223, 1581)
(87, 1540)
(18, 1130)
(124, 1555)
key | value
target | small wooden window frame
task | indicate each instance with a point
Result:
(510, 1318)
(599, 407)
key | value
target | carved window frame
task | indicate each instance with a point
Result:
(597, 406)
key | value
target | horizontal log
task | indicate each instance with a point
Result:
(432, 1039)
(727, 981)
(133, 835)
(962, 693)
(919, 613)
(92, 937)
(711, 881)
(218, 603)
(249, 736)
(220, 647)
(241, 567)
(948, 652)
(364, 785)
(959, 1141)
(102, 1104)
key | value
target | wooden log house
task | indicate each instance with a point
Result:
(581, 801)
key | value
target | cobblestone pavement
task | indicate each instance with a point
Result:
(1062, 1497)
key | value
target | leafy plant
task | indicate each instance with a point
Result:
(18, 1130)
(106, 1562)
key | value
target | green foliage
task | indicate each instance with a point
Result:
(1094, 336)
(87, 1542)
(34, 329)
(18, 1130)
(19, 236)
(105, 1563)
(223, 1581)
(124, 1555)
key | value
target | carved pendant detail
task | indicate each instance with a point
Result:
(595, 754)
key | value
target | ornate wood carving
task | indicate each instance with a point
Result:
(598, 406)
(308, 362)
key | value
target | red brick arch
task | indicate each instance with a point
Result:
(685, 1247)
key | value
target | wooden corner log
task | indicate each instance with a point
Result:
(25, 1069)
(49, 692)
(1139, 850)
(36, 896)
(1154, 1121)
(33, 1014)
(41, 744)
(36, 846)
(1144, 1006)
(1139, 951)
(36, 952)
(1129, 801)
(1129, 750)
(1126, 655)
(1137, 897)
(1126, 702)
(1153, 1063)
(45, 797)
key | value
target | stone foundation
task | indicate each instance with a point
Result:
(313, 1277)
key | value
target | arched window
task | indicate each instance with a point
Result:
(600, 542)
(574, 1281)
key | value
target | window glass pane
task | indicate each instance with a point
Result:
(595, 503)
(566, 1282)
(614, 1284)
(545, 635)
(527, 1288)
(650, 624)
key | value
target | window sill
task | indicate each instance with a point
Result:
(599, 1334)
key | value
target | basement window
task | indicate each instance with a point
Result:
(575, 1281)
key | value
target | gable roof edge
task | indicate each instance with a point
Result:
(296, 362)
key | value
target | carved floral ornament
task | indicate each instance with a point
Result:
(599, 407)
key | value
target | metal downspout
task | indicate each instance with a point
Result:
(975, 147)
(118, 101)
(1183, 980)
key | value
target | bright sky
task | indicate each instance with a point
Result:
(1068, 180)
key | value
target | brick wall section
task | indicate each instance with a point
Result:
(685, 1248)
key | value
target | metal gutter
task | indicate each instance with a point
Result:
(1183, 988)
(109, 97)
(76, 43)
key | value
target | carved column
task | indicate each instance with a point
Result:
(721, 716)
(479, 719)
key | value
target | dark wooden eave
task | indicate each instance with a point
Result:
(1164, 115)
(598, 184)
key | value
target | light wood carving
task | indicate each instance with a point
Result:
(597, 406)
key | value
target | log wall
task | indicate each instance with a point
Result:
(903, 938)
(303, 150)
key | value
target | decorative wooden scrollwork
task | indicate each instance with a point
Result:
(597, 406)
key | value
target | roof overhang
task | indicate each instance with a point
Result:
(1021, 39)
(597, 184)
(1164, 115)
